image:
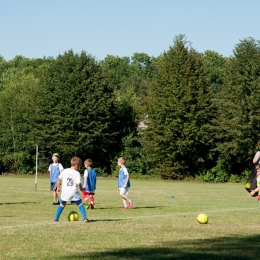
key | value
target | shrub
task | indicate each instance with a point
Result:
(205, 176)
(245, 176)
(234, 178)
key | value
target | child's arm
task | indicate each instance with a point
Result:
(252, 192)
(58, 185)
(126, 181)
(85, 182)
(79, 186)
(256, 158)
(61, 167)
(127, 177)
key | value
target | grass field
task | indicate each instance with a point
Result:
(158, 227)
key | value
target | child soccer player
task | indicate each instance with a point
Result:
(70, 179)
(55, 168)
(257, 182)
(89, 184)
(124, 183)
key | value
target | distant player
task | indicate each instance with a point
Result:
(258, 183)
(70, 180)
(89, 184)
(124, 184)
(55, 168)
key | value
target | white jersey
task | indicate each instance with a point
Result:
(69, 191)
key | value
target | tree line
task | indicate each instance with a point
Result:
(181, 114)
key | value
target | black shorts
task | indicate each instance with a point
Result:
(53, 186)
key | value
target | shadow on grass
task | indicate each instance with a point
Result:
(22, 202)
(242, 248)
(104, 220)
(135, 208)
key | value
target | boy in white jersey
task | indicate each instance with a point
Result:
(70, 179)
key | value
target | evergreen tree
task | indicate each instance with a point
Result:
(76, 111)
(237, 124)
(178, 113)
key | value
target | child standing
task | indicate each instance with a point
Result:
(55, 168)
(124, 183)
(89, 184)
(70, 180)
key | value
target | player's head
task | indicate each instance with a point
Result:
(258, 168)
(88, 163)
(55, 157)
(121, 161)
(76, 162)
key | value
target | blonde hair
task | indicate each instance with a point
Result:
(88, 162)
(75, 161)
(122, 160)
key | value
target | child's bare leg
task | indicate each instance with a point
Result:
(55, 196)
(124, 199)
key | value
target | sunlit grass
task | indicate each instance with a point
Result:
(158, 227)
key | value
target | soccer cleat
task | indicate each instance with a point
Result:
(123, 208)
(85, 220)
(92, 206)
(56, 220)
(88, 205)
(131, 204)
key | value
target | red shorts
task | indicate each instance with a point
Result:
(86, 193)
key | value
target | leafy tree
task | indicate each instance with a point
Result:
(214, 64)
(178, 113)
(116, 70)
(3, 65)
(16, 111)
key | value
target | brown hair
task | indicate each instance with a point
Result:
(257, 167)
(75, 161)
(88, 162)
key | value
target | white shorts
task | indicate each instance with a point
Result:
(124, 191)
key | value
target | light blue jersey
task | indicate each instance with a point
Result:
(122, 177)
(91, 176)
(55, 172)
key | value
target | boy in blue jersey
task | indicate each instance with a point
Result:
(55, 169)
(124, 183)
(89, 184)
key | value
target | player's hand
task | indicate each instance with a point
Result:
(252, 192)
(58, 190)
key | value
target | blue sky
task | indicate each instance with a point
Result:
(38, 28)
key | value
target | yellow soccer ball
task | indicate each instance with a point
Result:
(202, 218)
(73, 216)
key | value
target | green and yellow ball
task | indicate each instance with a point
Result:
(73, 216)
(202, 218)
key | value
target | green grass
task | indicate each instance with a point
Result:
(158, 227)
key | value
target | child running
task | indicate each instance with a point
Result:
(70, 180)
(124, 184)
(89, 184)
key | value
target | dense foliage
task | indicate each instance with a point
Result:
(182, 114)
